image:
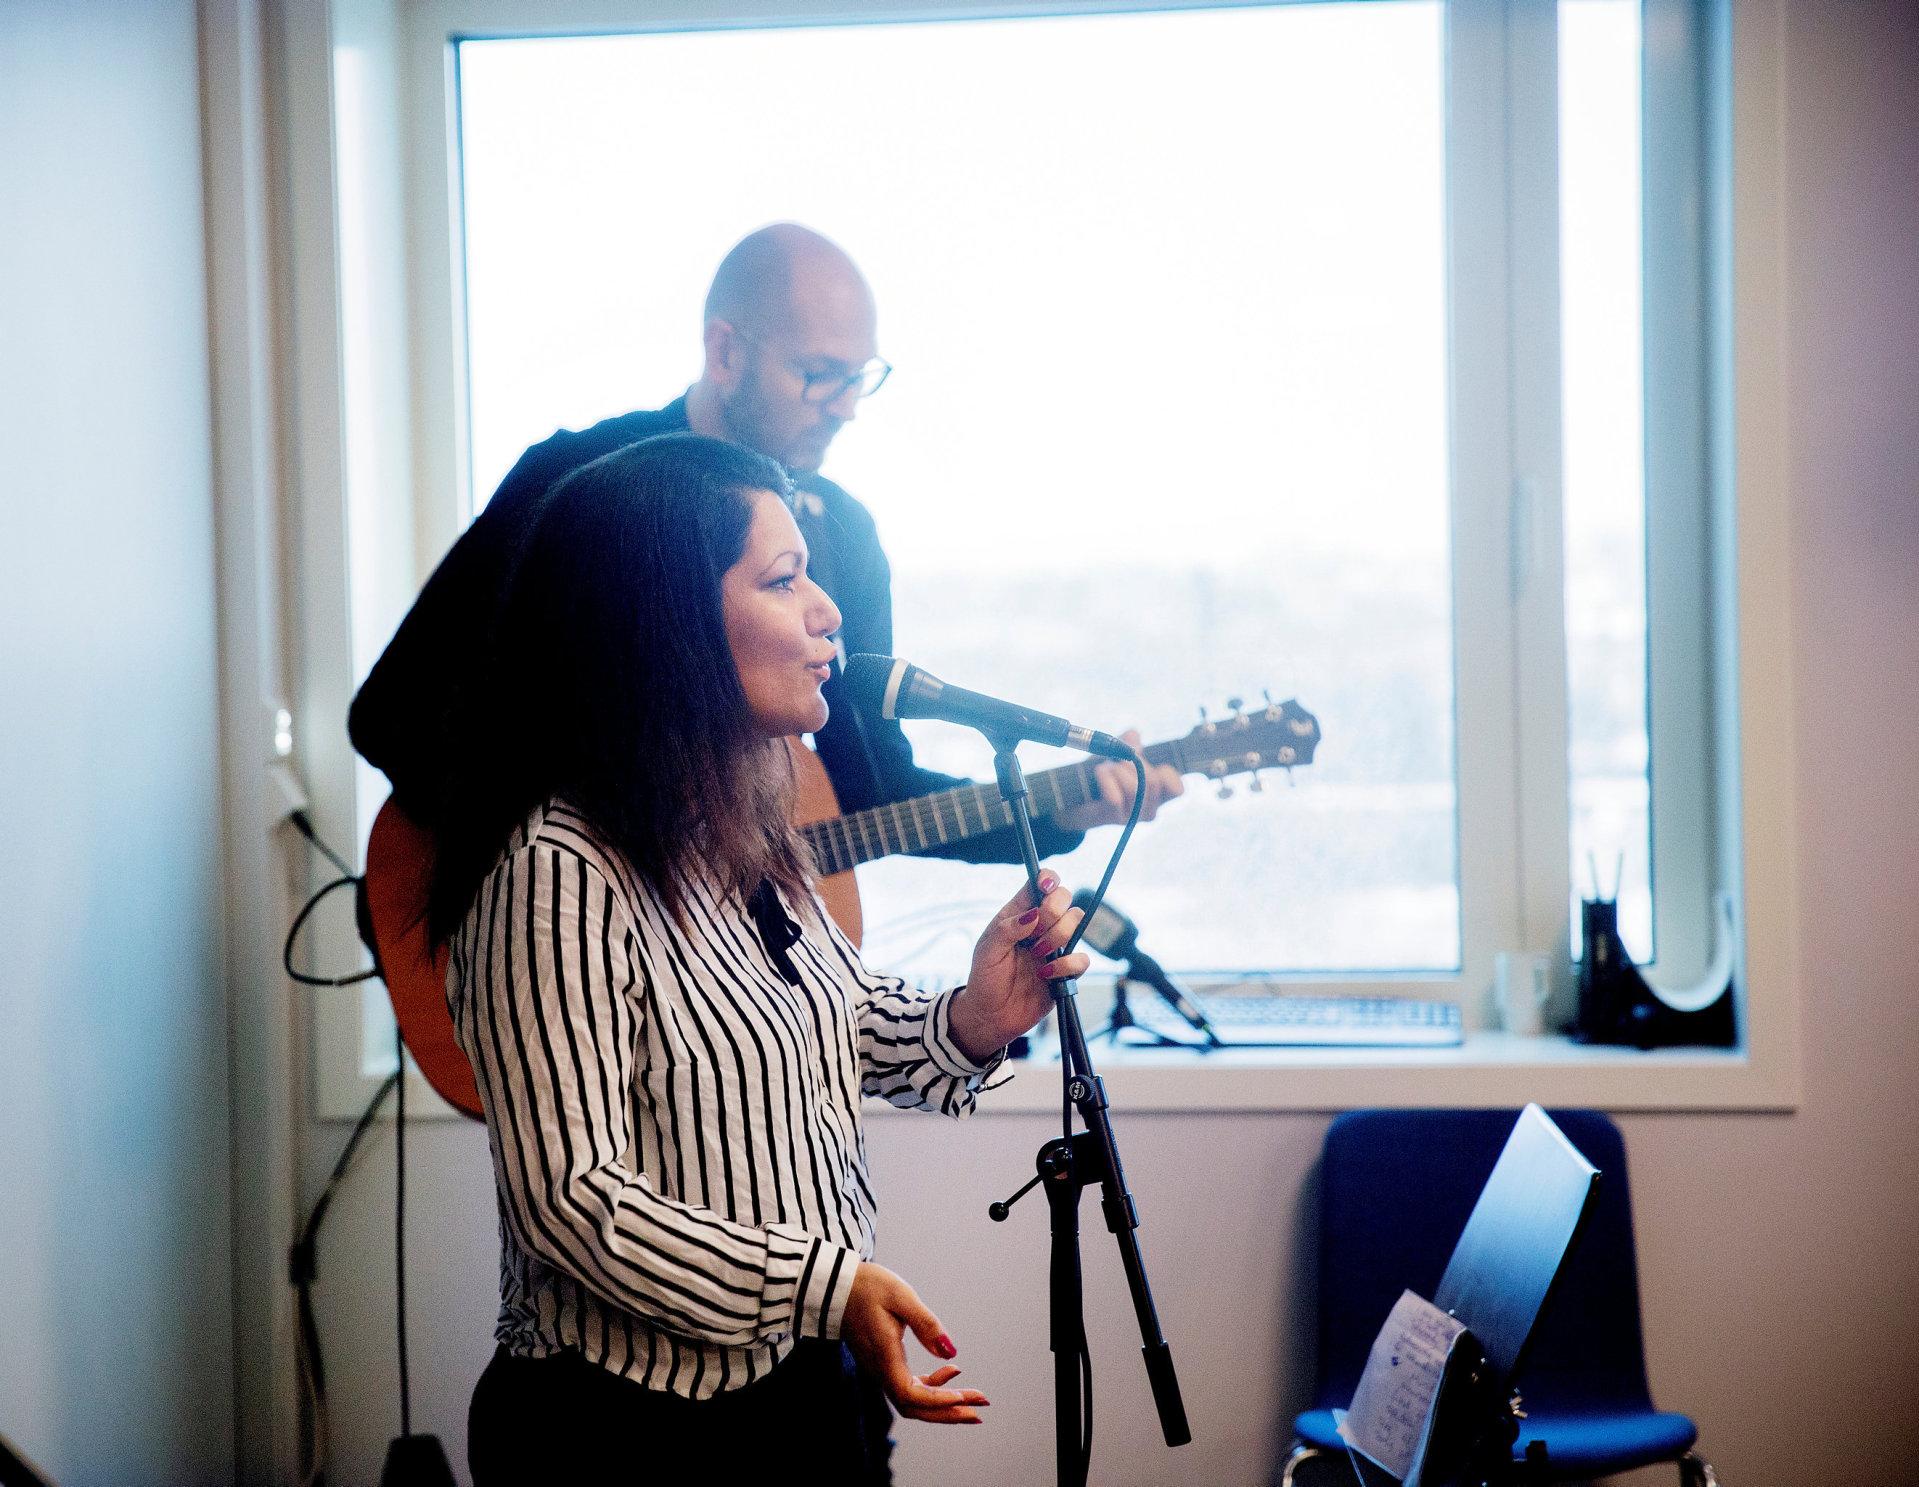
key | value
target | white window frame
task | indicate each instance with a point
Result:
(378, 247)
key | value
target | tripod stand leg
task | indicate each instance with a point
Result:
(1695, 1471)
(1067, 1330)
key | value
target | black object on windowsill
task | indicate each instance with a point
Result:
(1617, 1005)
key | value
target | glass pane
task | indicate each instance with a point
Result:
(1168, 423)
(1599, 109)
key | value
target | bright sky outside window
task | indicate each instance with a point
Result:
(1168, 422)
(1605, 501)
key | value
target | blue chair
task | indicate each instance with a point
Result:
(1396, 1189)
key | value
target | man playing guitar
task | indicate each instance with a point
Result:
(790, 350)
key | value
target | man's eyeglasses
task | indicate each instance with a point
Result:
(829, 387)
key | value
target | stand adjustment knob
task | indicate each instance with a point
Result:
(1055, 1158)
(998, 1212)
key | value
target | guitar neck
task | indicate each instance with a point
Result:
(840, 843)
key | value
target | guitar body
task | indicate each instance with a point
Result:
(399, 866)
(814, 800)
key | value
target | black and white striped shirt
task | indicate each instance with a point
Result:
(675, 1128)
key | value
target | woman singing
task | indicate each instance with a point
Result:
(671, 1040)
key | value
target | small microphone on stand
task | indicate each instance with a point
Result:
(1116, 937)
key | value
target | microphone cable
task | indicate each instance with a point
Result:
(302, 1258)
(302, 1269)
(1067, 1059)
(1119, 849)
(347, 878)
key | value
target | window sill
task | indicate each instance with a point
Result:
(1488, 1069)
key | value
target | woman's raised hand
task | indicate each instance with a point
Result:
(879, 1309)
(1007, 991)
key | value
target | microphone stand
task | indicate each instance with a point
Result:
(1067, 1166)
(1121, 1018)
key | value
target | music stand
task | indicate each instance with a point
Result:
(1501, 1275)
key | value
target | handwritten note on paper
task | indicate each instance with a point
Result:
(1395, 1394)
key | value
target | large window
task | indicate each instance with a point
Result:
(1404, 363)
(1294, 349)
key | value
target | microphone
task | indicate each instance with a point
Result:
(895, 689)
(1116, 937)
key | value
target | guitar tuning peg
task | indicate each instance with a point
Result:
(1225, 791)
(1238, 706)
(1258, 786)
(1205, 723)
(1272, 708)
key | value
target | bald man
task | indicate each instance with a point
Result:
(791, 348)
(792, 344)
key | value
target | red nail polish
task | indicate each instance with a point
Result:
(1029, 916)
(943, 1345)
(1048, 883)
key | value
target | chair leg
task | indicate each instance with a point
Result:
(1696, 1471)
(1301, 1452)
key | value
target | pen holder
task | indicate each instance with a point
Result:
(1617, 1005)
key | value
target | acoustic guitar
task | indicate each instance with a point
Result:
(399, 857)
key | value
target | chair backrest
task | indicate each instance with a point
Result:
(1397, 1188)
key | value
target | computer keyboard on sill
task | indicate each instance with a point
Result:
(1280, 1021)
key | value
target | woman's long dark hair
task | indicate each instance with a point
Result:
(611, 685)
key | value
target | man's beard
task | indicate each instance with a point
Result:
(747, 422)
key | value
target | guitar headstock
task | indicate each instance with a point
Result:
(1279, 735)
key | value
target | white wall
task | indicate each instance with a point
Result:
(1776, 1252)
(115, 1258)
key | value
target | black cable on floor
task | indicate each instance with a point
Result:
(302, 1268)
(399, 1230)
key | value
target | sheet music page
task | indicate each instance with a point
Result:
(1395, 1394)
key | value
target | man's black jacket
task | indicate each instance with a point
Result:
(404, 719)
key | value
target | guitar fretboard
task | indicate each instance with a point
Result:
(840, 843)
